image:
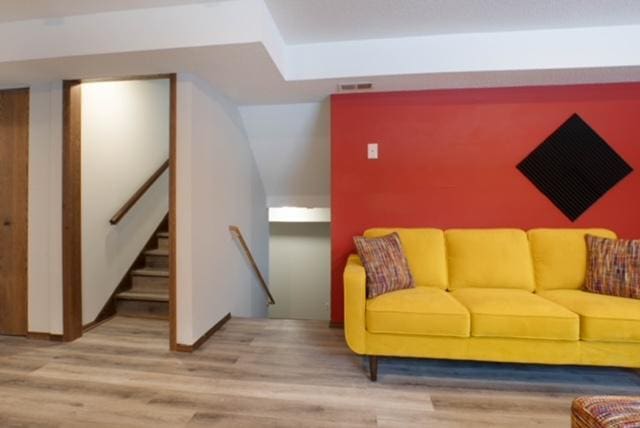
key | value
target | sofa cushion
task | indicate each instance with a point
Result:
(517, 314)
(614, 267)
(425, 251)
(602, 318)
(489, 258)
(428, 311)
(560, 256)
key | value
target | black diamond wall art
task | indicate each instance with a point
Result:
(574, 167)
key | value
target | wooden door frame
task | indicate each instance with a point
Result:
(72, 204)
(71, 211)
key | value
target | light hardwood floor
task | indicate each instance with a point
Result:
(265, 373)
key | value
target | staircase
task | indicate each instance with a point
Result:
(148, 295)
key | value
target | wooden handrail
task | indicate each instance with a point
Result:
(138, 194)
(235, 230)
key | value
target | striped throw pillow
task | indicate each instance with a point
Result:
(613, 267)
(385, 264)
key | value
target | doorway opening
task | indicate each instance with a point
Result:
(300, 262)
(119, 145)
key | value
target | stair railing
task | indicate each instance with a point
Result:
(235, 231)
(138, 194)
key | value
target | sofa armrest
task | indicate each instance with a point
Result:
(355, 300)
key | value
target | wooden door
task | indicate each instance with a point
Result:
(14, 151)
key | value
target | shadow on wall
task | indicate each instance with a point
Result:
(291, 145)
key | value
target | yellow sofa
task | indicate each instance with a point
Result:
(492, 295)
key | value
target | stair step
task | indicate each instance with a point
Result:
(157, 252)
(143, 308)
(146, 296)
(157, 259)
(150, 283)
(163, 273)
(163, 239)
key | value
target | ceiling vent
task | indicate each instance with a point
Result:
(356, 86)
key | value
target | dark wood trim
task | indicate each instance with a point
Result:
(132, 77)
(198, 343)
(108, 311)
(71, 210)
(173, 163)
(27, 192)
(44, 336)
(139, 193)
(373, 368)
(100, 319)
(336, 324)
(235, 230)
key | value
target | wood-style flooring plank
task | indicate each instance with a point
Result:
(273, 373)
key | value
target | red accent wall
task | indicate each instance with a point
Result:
(448, 159)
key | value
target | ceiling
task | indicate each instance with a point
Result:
(282, 68)
(19, 10)
(313, 21)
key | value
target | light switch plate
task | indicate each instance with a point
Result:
(372, 151)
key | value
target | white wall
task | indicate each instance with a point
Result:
(300, 267)
(125, 138)
(45, 209)
(291, 143)
(217, 185)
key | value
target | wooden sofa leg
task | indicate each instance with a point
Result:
(373, 368)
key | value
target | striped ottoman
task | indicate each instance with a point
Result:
(605, 411)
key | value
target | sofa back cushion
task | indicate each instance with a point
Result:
(425, 252)
(489, 258)
(560, 256)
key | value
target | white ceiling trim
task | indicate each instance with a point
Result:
(194, 25)
(506, 51)
(317, 21)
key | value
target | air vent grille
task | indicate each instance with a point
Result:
(355, 86)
